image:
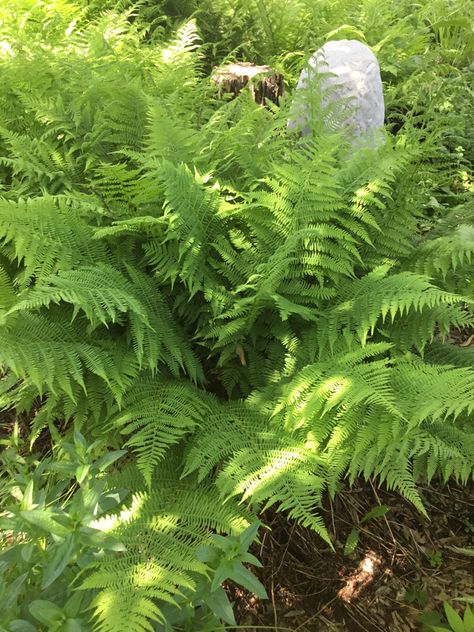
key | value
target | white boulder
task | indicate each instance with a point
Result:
(342, 80)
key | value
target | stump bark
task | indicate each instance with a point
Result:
(264, 82)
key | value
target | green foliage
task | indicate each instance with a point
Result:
(209, 605)
(353, 538)
(46, 531)
(454, 622)
(162, 529)
(253, 318)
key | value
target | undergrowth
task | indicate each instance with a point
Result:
(206, 318)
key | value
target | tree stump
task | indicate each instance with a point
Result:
(264, 82)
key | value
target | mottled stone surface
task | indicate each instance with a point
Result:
(344, 77)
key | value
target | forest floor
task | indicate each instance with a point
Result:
(403, 568)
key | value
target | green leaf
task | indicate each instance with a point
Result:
(59, 561)
(100, 539)
(73, 625)
(376, 512)
(13, 591)
(207, 554)
(248, 558)
(248, 536)
(351, 542)
(468, 620)
(222, 573)
(81, 443)
(106, 461)
(245, 578)
(74, 605)
(223, 543)
(220, 605)
(44, 519)
(20, 625)
(28, 495)
(46, 612)
(453, 618)
(81, 472)
(27, 551)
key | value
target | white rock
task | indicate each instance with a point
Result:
(342, 79)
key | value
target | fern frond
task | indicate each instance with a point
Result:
(274, 469)
(52, 355)
(229, 424)
(319, 390)
(164, 341)
(168, 137)
(448, 250)
(7, 292)
(100, 291)
(190, 213)
(161, 530)
(433, 392)
(45, 235)
(379, 299)
(448, 354)
(118, 187)
(158, 414)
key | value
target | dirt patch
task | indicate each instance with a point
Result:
(404, 565)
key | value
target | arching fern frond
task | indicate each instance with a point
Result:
(102, 292)
(448, 354)
(448, 250)
(45, 235)
(190, 214)
(230, 424)
(51, 353)
(165, 340)
(379, 299)
(278, 470)
(158, 414)
(162, 530)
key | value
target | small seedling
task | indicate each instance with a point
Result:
(435, 558)
(353, 537)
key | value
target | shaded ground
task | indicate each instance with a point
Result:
(404, 564)
(403, 568)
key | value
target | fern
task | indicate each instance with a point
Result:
(161, 530)
(449, 248)
(189, 214)
(45, 235)
(385, 299)
(157, 414)
(101, 292)
(255, 318)
(52, 353)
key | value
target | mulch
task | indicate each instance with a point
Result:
(404, 565)
(402, 570)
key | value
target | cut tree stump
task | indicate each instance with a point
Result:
(264, 82)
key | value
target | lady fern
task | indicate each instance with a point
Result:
(254, 318)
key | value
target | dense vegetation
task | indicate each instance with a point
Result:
(199, 316)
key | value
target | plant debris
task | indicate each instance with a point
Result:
(403, 566)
